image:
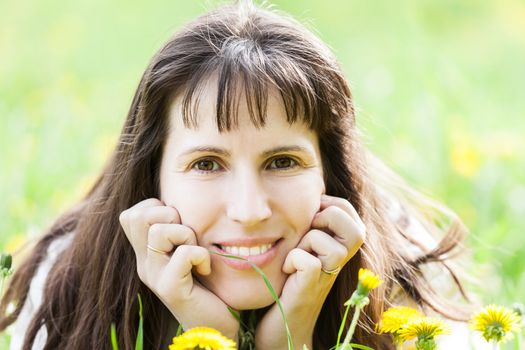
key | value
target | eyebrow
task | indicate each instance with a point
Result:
(225, 153)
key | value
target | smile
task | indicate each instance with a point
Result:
(260, 254)
(247, 251)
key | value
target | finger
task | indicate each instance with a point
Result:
(130, 214)
(306, 266)
(349, 233)
(150, 202)
(165, 238)
(341, 203)
(124, 216)
(140, 221)
(331, 252)
(184, 259)
(174, 280)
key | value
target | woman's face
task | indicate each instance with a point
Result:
(249, 192)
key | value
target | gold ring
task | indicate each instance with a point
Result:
(157, 250)
(332, 272)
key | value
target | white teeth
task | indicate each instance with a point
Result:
(247, 251)
(244, 251)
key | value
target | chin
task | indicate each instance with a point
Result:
(248, 302)
(242, 294)
(248, 296)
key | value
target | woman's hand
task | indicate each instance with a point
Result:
(337, 233)
(166, 253)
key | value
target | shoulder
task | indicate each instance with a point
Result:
(35, 295)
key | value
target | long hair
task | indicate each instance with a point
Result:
(94, 282)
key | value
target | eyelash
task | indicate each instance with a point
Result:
(294, 164)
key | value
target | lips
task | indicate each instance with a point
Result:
(260, 254)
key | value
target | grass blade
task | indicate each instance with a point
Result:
(341, 327)
(359, 346)
(139, 344)
(114, 342)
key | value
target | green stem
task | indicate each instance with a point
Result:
(495, 345)
(518, 340)
(342, 326)
(351, 330)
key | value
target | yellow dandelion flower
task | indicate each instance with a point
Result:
(425, 329)
(202, 338)
(396, 317)
(369, 280)
(496, 323)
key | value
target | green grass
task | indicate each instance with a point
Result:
(438, 86)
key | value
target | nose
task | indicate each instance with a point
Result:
(247, 199)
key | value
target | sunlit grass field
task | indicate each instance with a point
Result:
(439, 87)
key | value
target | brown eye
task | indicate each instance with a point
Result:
(205, 165)
(283, 163)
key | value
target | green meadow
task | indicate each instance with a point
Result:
(439, 88)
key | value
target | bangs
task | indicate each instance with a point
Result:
(247, 72)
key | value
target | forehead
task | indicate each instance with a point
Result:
(203, 111)
(245, 135)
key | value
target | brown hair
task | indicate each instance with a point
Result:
(94, 282)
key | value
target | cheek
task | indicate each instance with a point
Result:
(194, 202)
(300, 200)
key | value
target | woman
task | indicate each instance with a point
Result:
(241, 139)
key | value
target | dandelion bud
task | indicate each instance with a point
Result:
(5, 261)
(519, 308)
(367, 281)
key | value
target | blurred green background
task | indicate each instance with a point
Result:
(439, 87)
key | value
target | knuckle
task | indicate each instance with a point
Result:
(180, 234)
(135, 217)
(189, 236)
(315, 264)
(317, 233)
(336, 212)
(341, 201)
(341, 252)
(332, 209)
(296, 251)
(156, 230)
(182, 251)
(361, 233)
(173, 213)
(151, 201)
(338, 201)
